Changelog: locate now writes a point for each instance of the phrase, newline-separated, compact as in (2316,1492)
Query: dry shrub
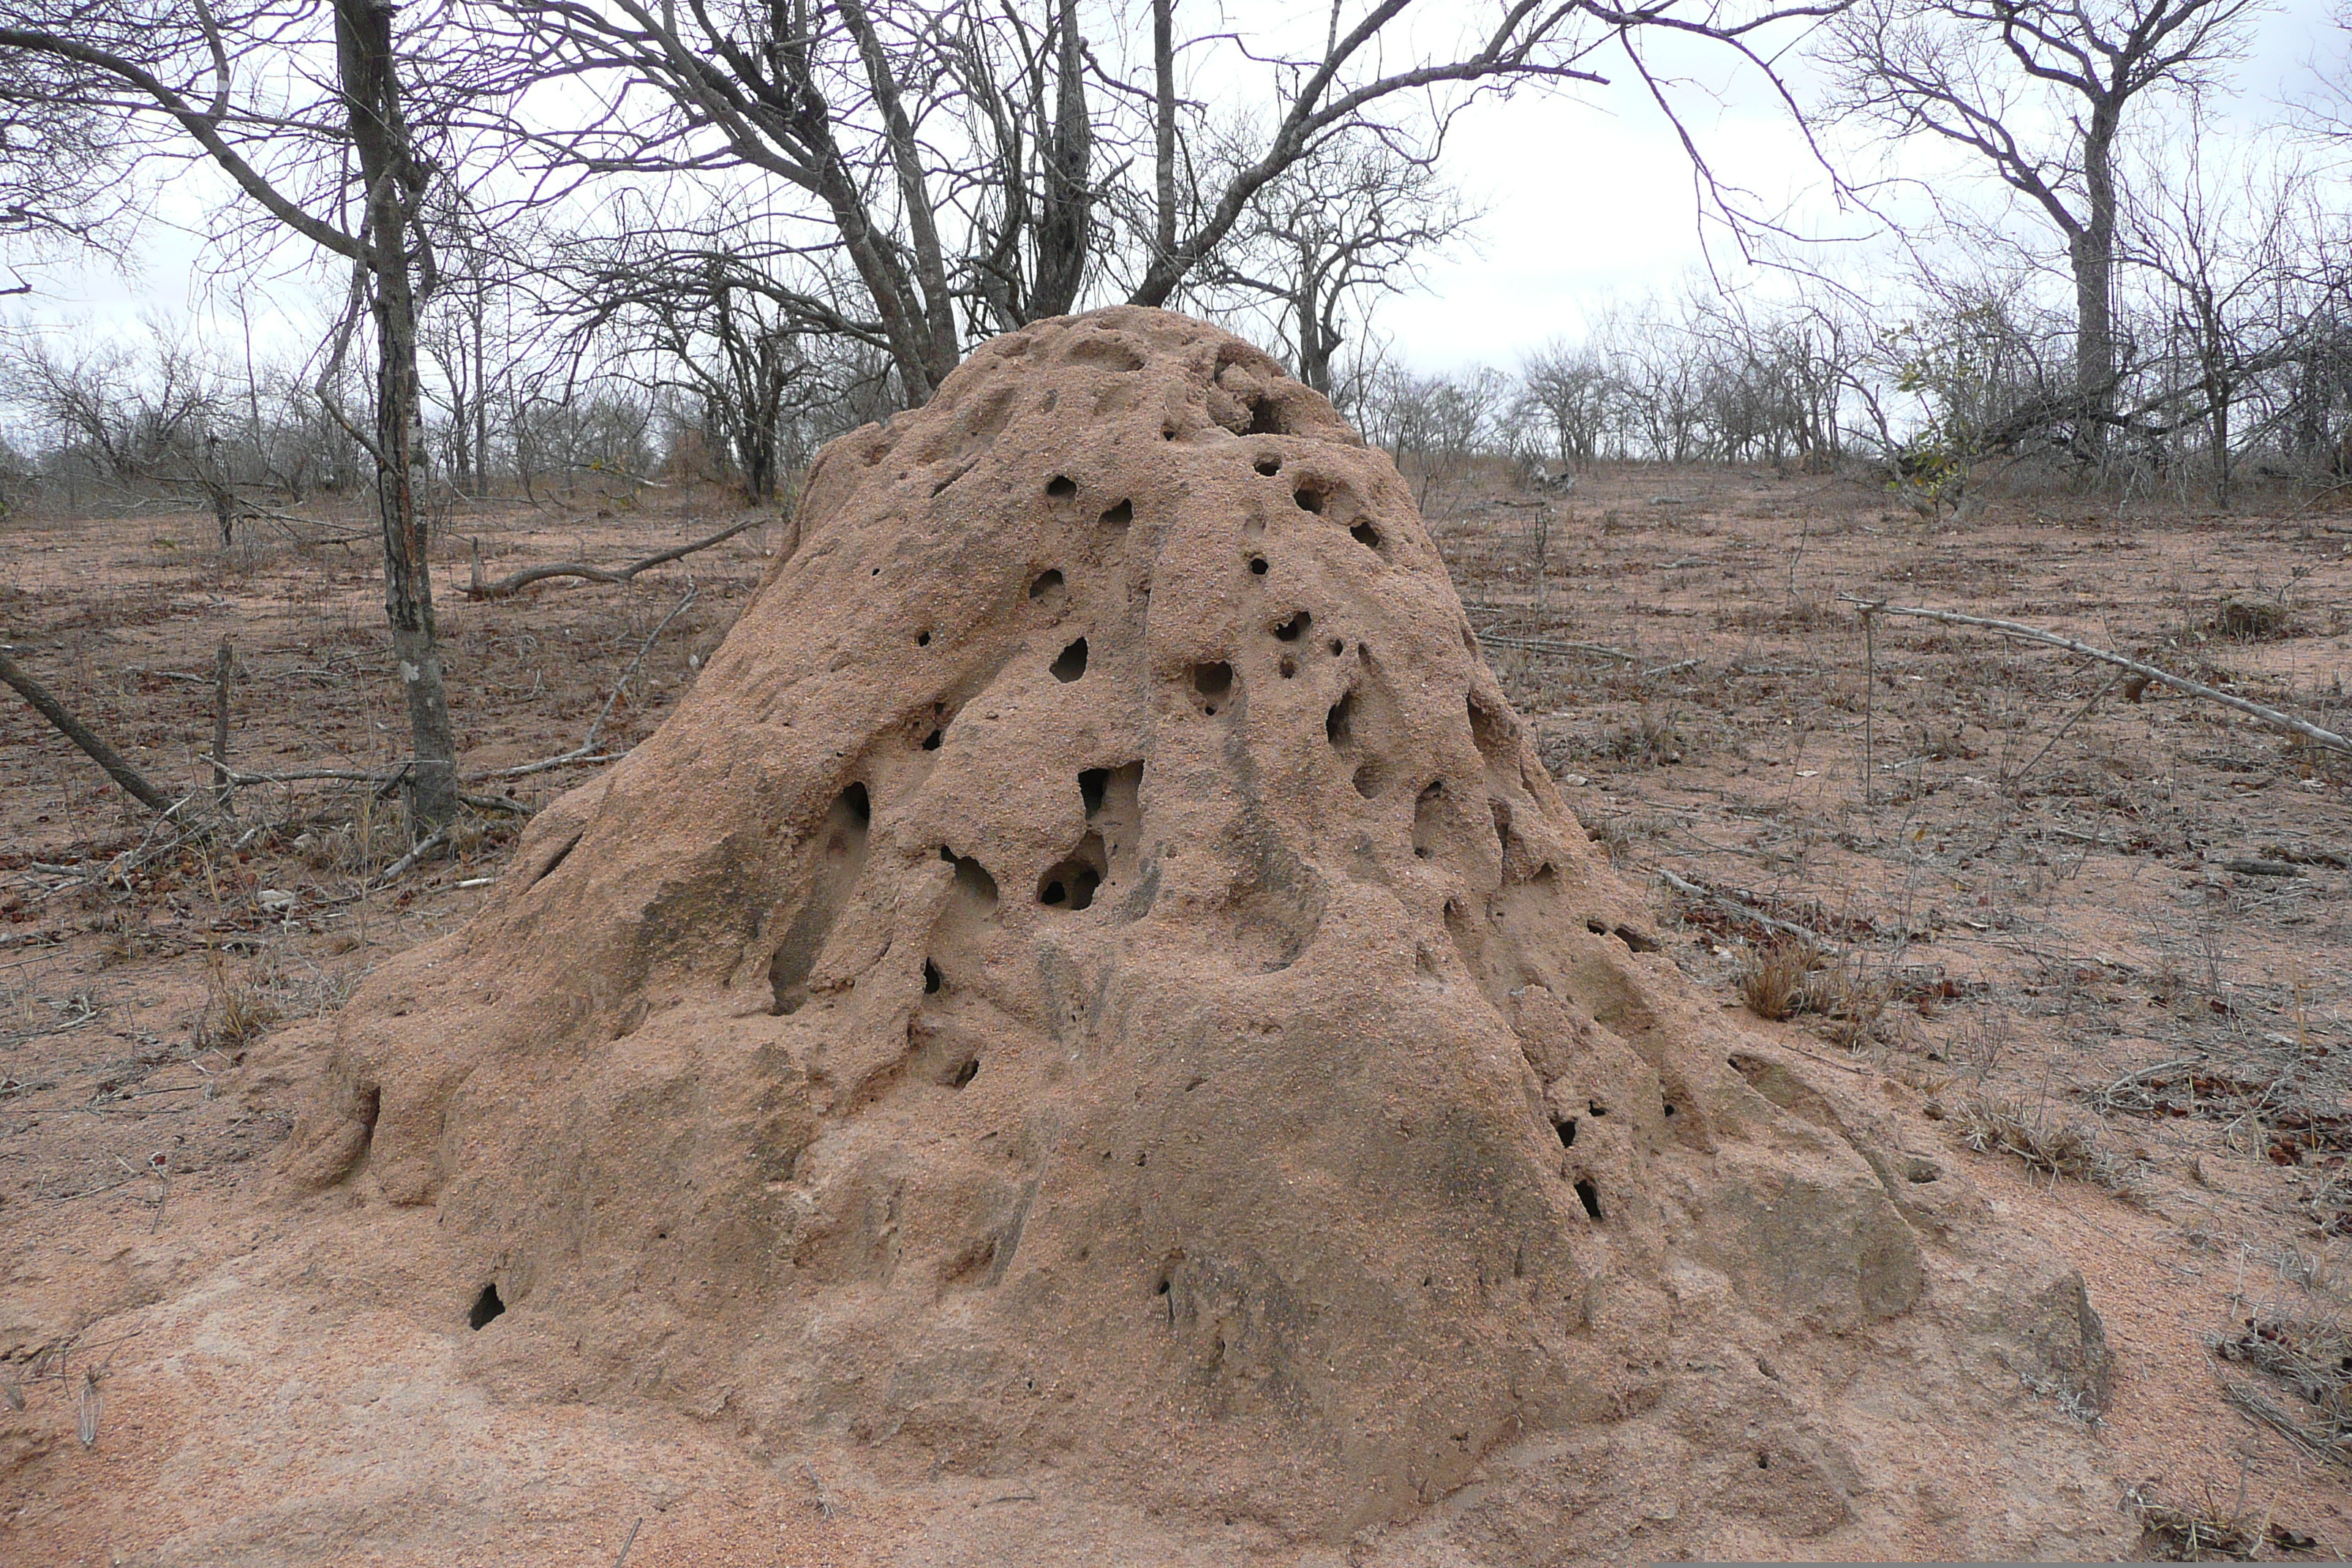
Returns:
(1772,981)
(2253,620)
(2045,1143)
(2311,1357)
(236,1011)
(2207,1530)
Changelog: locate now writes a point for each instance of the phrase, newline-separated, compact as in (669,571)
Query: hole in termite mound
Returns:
(1072,664)
(963,1073)
(1266,419)
(1258,566)
(1338,724)
(1117,518)
(1061,485)
(1369,779)
(840,860)
(1590,1196)
(931,741)
(1365,534)
(1092,784)
(1269,466)
(971,879)
(1289,667)
(1070,883)
(1566,1127)
(932,980)
(1047,582)
(1309,498)
(1213,679)
(486,1306)
(1295,627)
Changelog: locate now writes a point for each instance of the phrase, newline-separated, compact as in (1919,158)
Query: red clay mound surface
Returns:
(1093,1004)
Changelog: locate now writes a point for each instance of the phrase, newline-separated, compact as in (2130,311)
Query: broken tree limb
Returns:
(514,583)
(1540,644)
(1691,889)
(74,730)
(2023,632)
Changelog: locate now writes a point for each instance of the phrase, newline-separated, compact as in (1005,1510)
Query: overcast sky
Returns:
(1589,201)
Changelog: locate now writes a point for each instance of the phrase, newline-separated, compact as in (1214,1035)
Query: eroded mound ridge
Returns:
(1095,977)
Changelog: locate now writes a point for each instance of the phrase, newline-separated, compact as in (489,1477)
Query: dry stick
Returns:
(1694,890)
(632,1541)
(1869,699)
(2271,716)
(509,585)
(73,730)
(1539,645)
(586,750)
(223,788)
(2017,781)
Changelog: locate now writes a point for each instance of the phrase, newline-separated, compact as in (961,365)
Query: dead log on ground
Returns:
(514,583)
(74,730)
(2149,672)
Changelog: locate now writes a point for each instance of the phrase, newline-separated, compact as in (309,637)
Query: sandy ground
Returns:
(2020,880)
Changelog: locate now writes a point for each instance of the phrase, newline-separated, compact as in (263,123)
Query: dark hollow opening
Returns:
(1046,584)
(1266,419)
(1368,779)
(1073,662)
(1092,784)
(1365,534)
(1336,723)
(1590,1196)
(964,1074)
(1670,1107)
(1213,679)
(486,1306)
(1595,1107)
(1307,497)
(1338,648)
(1567,1130)
(1257,566)
(1295,627)
(1289,667)
(972,878)
(922,639)
(1061,485)
(1269,467)
(931,741)
(1119,516)
(931,980)
(860,803)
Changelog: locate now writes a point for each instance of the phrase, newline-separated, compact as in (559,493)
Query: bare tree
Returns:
(1348,222)
(2041,90)
(176,76)
(947,161)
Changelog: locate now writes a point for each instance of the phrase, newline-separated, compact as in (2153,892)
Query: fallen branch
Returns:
(425,846)
(74,730)
(1690,889)
(2271,716)
(586,750)
(507,586)
(1561,649)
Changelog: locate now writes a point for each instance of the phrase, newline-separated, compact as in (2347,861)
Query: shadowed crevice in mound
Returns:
(1094,980)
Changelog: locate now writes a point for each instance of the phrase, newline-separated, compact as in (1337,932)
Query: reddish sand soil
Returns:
(2026,893)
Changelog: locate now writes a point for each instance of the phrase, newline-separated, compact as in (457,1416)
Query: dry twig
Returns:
(514,583)
(2271,716)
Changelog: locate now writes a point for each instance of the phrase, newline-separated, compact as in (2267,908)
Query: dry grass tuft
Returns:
(2045,1143)
(236,1011)
(2207,1530)
(2312,1358)
(1773,978)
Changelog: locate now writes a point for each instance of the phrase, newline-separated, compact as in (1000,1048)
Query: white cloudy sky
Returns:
(1589,201)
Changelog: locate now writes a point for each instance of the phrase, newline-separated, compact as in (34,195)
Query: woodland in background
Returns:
(589,236)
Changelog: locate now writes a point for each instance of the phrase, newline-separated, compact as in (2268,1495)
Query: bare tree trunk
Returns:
(2091,250)
(391,179)
(1163,122)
